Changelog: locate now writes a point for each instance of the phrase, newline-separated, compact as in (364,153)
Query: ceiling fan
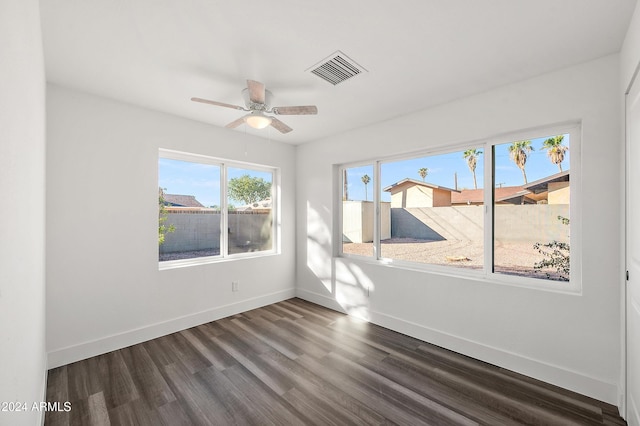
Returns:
(257,102)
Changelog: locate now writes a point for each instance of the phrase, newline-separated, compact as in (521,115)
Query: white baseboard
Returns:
(622,408)
(106,344)
(556,375)
(320,299)
(633,417)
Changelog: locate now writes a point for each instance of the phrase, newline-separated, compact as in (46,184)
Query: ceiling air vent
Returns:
(337,68)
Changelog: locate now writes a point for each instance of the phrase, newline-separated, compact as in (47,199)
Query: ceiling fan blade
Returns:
(256,91)
(235,123)
(295,110)
(280,126)
(222,104)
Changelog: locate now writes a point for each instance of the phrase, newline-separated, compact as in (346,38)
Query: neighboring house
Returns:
(504,195)
(409,193)
(552,189)
(473,197)
(178,200)
(517,195)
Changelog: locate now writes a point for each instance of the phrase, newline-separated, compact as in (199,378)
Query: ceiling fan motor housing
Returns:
(253,106)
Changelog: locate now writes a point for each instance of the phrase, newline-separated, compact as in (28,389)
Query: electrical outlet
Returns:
(234,286)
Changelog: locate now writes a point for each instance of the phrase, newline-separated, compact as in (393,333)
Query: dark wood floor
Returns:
(298,363)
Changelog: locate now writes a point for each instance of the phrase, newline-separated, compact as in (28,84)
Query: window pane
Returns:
(531,208)
(436,214)
(189,212)
(357,210)
(250,210)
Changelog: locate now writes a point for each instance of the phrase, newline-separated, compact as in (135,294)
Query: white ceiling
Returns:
(419,53)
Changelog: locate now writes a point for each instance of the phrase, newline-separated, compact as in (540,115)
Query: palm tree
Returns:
(471,155)
(423,172)
(345,186)
(365,179)
(555,150)
(519,151)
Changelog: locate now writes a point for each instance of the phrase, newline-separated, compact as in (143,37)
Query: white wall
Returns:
(22,215)
(572,340)
(102,190)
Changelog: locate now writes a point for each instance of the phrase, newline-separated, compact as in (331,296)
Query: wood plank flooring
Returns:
(296,363)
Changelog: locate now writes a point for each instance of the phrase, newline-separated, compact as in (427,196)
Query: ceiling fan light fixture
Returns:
(257,101)
(257,120)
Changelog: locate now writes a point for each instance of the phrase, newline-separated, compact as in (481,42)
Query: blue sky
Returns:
(443,168)
(203,180)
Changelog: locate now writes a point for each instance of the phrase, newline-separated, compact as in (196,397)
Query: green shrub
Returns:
(163,229)
(556,256)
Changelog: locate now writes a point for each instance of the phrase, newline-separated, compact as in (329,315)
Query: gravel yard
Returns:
(188,254)
(511,258)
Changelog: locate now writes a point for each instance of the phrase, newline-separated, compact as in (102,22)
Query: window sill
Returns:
(572,287)
(184,263)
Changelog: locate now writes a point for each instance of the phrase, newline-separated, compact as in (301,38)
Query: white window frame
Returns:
(224,164)
(574,286)
(375,200)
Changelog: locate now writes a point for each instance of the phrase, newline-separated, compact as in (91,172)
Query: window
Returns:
(357,210)
(432,209)
(436,214)
(189,204)
(531,200)
(211,209)
(249,210)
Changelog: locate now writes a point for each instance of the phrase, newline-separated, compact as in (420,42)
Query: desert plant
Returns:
(345,186)
(519,151)
(555,150)
(163,228)
(471,155)
(365,179)
(423,172)
(556,256)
